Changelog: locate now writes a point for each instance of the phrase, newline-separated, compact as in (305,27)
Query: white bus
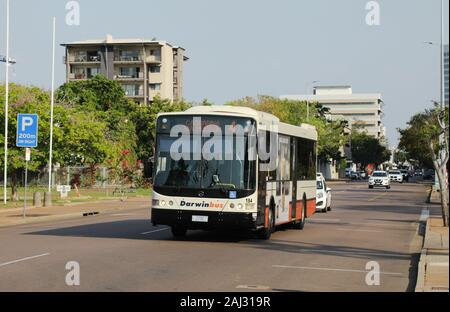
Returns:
(193,191)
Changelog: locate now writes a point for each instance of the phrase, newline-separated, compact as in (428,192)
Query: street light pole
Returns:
(5,172)
(307,100)
(52,102)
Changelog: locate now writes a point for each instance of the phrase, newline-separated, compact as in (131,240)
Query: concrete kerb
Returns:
(91,212)
(56,217)
(420,283)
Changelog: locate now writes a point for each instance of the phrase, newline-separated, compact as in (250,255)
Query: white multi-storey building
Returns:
(362,110)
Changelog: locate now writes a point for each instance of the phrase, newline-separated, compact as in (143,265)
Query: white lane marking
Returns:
(330,269)
(424,215)
(325,220)
(150,232)
(24,259)
(356,230)
(438,264)
(255,287)
(123,214)
(337,252)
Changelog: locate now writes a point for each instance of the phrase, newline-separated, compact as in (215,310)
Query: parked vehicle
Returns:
(323,195)
(405,174)
(395,176)
(418,173)
(379,179)
(363,174)
(354,175)
(347,172)
(429,174)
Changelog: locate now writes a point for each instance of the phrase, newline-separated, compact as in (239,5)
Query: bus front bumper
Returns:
(203,220)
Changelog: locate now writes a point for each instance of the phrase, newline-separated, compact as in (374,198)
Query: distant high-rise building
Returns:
(144,68)
(446,73)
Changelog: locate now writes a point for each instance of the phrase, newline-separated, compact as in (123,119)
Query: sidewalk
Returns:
(435,197)
(433,275)
(10,217)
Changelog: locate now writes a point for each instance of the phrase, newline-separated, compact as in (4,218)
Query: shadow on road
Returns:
(135,229)
(331,250)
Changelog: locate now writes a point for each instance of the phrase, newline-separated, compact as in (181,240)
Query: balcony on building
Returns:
(127,57)
(84,57)
(84,73)
(129,74)
(153,56)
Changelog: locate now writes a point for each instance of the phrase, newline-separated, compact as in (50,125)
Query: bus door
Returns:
(284,185)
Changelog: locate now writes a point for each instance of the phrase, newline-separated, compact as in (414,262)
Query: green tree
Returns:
(78,137)
(104,99)
(367,149)
(98,94)
(421,140)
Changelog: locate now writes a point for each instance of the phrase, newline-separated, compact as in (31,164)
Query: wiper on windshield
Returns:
(224,187)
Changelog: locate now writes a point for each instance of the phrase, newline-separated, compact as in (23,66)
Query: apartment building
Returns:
(144,68)
(361,110)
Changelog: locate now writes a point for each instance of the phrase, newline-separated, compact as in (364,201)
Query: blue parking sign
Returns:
(27,130)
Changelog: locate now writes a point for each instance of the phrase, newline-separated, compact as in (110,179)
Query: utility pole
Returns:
(52,102)
(7,59)
(307,100)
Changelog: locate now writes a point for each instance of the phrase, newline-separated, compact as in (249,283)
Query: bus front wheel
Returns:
(179,231)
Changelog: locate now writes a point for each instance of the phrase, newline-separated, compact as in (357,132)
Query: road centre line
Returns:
(330,269)
(326,220)
(337,252)
(23,259)
(376,197)
(357,230)
(150,232)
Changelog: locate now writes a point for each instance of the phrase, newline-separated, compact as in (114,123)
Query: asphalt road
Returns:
(124,252)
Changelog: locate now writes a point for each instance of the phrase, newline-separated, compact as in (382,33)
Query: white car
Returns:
(379,179)
(323,195)
(396,176)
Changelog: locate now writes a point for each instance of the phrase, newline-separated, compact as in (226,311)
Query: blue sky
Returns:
(250,47)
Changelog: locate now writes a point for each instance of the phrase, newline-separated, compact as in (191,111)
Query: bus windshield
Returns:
(227,172)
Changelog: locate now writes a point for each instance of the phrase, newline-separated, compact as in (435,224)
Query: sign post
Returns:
(27,159)
(27,136)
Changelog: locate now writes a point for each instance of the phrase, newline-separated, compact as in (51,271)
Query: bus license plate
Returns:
(199,218)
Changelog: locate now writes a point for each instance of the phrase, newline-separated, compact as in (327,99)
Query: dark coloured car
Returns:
(405,174)
(429,174)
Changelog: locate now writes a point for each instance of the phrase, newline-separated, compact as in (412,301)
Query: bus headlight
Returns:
(171,203)
(232,206)
(240,206)
(162,202)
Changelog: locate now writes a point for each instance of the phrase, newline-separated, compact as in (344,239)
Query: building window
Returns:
(129,55)
(94,71)
(131,90)
(80,73)
(129,72)
(155,86)
(155,69)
